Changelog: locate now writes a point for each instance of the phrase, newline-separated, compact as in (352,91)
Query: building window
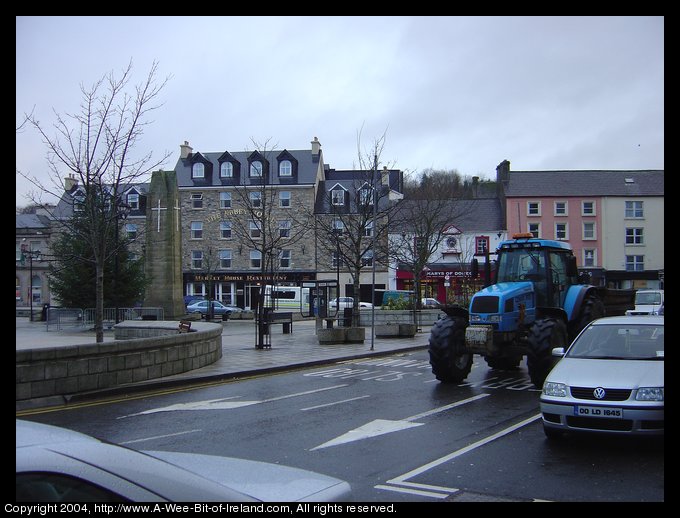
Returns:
(225,200)
(635,263)
(338,226)
(481,245)
(133,201)
(255,198)
(225,229)
(366,195)
(561,232)
(285,168)
(561,208)
(131,231)
(535,229)
(255,259)
(256,168)
(196,230)
(533,208)
(367,258)
(589,257)
(284,228)
(284,198)
(225,258)
(198,170)
(197,200)
(226,170)
(587,208)
(338,197)
(255,230)
(634,209)
(368,229)
(589,231)
(634,236)
(284,259)
(197,259)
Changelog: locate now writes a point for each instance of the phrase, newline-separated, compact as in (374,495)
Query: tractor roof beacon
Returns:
(538,302)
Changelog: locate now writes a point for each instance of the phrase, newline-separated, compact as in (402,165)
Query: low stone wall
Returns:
(426,317)
(143,350)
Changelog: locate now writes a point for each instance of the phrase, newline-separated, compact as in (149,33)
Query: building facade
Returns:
(613,219)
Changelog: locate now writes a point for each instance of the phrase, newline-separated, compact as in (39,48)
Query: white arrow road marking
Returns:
(223,403)
(383,426)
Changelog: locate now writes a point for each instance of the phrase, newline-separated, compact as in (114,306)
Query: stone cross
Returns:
(159,209)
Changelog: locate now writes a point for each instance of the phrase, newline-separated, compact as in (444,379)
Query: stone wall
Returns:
(143,350)
(426,317)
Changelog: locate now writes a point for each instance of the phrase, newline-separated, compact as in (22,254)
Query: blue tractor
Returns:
(537,303)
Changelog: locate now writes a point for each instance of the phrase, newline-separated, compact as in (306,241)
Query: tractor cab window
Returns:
(525,265)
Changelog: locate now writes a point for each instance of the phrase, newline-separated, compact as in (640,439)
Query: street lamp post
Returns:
(122,210)
(30,253)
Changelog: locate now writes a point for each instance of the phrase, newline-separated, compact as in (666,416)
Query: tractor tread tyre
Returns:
(545,335)
(592,309)
(450,360)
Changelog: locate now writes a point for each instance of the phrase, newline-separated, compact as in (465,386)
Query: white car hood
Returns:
(261,480)
(581,372)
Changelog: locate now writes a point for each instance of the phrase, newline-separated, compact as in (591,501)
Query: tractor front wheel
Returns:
(545,335)
(450,360)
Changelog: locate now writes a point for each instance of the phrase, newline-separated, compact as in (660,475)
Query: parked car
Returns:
(648,302)
(54,464)
(190,299)
(430,303)
(610,380)
(201,307)
(347,302)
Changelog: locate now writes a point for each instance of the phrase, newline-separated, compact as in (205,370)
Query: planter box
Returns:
(355,334)
(334,335)
(395,330)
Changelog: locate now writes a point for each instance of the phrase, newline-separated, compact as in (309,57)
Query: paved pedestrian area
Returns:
(240,357)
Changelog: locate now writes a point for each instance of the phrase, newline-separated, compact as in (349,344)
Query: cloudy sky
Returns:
(458,93)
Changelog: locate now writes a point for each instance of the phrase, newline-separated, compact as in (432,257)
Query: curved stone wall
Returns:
(143,350)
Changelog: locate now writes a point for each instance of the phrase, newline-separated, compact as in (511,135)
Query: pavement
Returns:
(239,358)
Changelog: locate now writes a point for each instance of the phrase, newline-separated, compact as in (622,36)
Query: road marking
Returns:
(402,480)
(224,403)
(334,403)
(160,437)
(383,426)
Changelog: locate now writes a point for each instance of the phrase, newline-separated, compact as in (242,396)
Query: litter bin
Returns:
(347,317)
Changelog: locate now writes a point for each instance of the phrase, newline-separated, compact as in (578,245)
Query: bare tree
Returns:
(96,147)
(354,232)
(267,229)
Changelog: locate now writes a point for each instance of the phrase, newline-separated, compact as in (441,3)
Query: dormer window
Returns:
(285,168)
(198,170)
(256,168)
(338,197)
(133,201)
(366,195)
(226,170)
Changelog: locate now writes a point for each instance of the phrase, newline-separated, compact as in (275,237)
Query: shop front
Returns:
(239,288)
(448,283)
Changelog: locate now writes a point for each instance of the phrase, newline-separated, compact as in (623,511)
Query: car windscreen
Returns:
(619,341)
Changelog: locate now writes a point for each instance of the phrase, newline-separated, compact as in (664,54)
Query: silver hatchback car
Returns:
(610,380)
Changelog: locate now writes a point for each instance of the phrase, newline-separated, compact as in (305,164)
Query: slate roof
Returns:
(351,180)
(26,221)
(475,215)
(585,183)
(307,165)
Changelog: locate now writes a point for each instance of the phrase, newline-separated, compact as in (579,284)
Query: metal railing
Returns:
(60,318)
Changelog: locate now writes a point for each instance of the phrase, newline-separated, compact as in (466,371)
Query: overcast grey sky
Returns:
(458,93)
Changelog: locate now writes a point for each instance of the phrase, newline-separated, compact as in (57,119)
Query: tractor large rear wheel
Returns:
(450,360)
(545,335)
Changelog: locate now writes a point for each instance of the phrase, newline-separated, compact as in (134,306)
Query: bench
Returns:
(184,326)
(285,318)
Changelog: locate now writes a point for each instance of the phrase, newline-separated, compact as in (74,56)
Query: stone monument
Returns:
(164,245)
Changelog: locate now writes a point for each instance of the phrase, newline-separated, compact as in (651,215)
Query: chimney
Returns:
(316,146)
(69,182)
(185,149)
(385,176)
